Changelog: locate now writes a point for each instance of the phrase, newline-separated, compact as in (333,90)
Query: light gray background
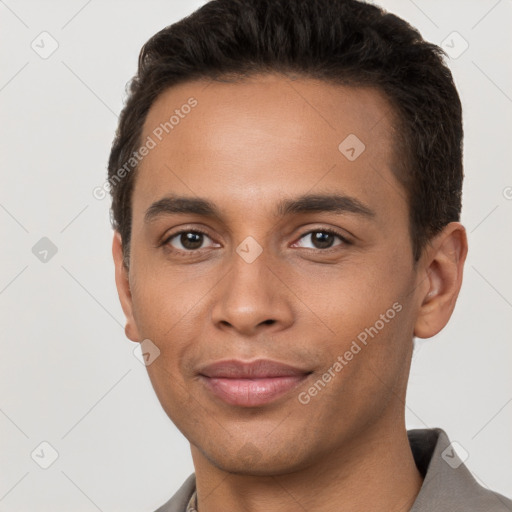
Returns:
(69,376)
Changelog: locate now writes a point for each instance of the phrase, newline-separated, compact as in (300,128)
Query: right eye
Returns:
(187,240)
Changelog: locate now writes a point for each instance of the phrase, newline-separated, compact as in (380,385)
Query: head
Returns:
(251,128)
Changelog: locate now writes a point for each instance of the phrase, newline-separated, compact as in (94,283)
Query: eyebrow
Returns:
(309,203)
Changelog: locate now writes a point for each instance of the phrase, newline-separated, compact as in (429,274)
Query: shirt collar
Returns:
(192,503)
(448,485)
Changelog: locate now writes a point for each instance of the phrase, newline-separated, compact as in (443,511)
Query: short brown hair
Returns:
(347,42)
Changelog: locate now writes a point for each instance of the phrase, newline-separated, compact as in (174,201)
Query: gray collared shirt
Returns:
(448,486)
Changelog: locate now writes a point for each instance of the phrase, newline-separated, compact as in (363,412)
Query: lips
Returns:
(251,384)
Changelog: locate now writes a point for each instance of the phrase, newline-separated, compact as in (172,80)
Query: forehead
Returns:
(255,139)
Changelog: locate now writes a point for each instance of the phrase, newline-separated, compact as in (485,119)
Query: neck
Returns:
(374,471)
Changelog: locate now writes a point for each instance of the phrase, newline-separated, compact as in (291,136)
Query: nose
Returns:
(252,299)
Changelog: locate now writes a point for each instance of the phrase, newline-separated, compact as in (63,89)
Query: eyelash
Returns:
(192,252)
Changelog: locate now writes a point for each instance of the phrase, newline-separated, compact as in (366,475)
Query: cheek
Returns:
(166,300)
(347,298)
(363,317)
(168,313)
(365,366)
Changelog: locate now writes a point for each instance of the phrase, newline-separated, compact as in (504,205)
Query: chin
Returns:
(250,460)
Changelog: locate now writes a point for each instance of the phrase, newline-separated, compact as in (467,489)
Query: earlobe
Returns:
(444,261)
(123,288)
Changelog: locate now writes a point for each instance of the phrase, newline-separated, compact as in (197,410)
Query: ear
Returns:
(123,288)
(443,263)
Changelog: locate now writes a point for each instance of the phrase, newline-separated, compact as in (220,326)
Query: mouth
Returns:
(251,384)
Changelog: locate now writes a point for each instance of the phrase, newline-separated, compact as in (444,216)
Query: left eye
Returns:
(322,239)
(189,240)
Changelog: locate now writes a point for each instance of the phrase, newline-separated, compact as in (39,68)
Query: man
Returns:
(286,182)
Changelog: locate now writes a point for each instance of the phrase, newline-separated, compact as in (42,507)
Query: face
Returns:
(297,250)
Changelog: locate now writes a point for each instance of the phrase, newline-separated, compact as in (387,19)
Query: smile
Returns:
(251,384)
(251,392)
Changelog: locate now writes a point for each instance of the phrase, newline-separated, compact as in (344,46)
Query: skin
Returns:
(245,147)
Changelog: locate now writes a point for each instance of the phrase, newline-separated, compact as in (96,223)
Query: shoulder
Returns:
(180,499)
(448,485)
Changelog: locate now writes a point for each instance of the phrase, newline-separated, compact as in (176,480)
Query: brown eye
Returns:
(322,239)
(187,240)
(191,240)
